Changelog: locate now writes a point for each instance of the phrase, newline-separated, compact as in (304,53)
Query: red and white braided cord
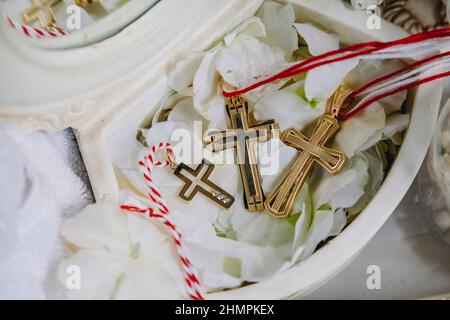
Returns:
(161,212)
(33,32)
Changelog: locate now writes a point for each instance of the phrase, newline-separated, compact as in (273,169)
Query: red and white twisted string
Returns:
(160,212)
(33,32)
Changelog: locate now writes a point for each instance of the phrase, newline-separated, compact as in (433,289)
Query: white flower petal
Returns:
(368,70)
(100,226)
(344,189)
(252,27)
(148,233)
(395,123)
(319,231)
(100,272)
(265,231)
(358,130)
(304,221)
(340,221)
(274,158)
(146,280)
(288,109)
(216,112)
(241,62)
(205,250)
(376,176)
(322,82)
(186,141)
(318,41)
(279,21)
(206,81)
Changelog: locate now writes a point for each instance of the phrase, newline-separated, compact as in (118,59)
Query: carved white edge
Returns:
(146,85)
(168,31)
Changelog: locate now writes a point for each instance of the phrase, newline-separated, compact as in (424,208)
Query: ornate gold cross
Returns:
(243,137)
(42,11)
(198,181)
(310,151)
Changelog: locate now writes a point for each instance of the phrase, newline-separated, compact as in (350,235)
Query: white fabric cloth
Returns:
(37,187)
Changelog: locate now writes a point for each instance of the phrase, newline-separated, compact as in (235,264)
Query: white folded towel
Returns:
(37,187)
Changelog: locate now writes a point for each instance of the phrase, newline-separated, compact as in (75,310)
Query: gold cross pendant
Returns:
(42,11)
(85,3)
(310,151)
(197,180)
(242,137)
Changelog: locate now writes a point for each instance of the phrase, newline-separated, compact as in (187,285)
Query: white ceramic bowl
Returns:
(337,253)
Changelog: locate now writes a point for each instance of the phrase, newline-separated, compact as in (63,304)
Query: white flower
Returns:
(120,256)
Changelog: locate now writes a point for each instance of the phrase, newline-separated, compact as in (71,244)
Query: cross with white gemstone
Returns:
(42,11)
(243,137)
(198,181)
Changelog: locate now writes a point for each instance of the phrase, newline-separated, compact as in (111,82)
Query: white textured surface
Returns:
(413,263)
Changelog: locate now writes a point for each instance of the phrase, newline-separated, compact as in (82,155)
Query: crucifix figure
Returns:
(242,137)
(310,151)
(42,11)
(197,180)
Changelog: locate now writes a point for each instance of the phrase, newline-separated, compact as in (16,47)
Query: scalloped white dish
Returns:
(335,254)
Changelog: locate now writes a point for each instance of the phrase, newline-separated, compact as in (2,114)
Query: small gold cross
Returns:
(42,11)
(310,151)
(243,137)
(198,181)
